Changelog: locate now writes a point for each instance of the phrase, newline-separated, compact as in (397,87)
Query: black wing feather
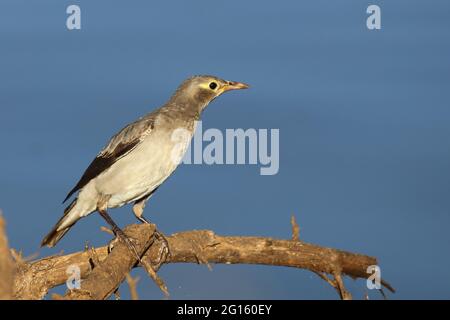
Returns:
(102,163)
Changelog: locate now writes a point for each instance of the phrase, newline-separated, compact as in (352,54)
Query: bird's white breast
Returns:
(143,169)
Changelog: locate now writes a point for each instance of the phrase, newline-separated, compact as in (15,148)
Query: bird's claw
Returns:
(121,236)
(164,251)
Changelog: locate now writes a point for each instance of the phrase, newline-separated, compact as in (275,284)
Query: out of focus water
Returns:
(363,118)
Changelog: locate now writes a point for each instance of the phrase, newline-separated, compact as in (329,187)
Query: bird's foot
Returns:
(115,228)
(164,251)
(128,242)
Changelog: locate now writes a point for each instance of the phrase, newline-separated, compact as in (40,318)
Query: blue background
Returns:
(363,118)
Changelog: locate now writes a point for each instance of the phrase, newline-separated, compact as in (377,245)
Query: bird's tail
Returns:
(62,226)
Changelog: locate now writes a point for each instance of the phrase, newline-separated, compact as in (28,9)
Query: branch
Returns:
(6,265)
(200,246)
(108,274)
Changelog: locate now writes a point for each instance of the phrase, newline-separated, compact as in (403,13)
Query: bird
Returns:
(140,157)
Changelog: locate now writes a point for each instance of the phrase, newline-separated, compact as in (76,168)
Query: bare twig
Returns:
(107,230)
(295,229)
(345,295)
(132,284)
(324,277)
(152,273)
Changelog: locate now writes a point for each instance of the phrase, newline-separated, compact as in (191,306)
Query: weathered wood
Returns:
(102,277)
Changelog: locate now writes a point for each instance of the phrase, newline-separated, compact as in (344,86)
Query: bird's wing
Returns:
(119,146)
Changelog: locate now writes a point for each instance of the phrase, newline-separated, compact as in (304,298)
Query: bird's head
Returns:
(201,90)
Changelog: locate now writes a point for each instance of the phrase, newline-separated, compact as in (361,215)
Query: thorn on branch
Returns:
(17,256)
(107,230)
(295,229)
(93,258)
(198,253)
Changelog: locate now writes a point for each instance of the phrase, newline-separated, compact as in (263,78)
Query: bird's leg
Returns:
(101,208)
(138,210)
(119,233)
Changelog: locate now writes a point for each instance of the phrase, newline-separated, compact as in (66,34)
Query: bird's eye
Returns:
(213,85)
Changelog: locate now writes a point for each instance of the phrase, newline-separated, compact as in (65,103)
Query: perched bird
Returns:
(139,158)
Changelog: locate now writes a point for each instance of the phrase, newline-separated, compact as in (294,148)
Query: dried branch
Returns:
(6,265)
(34,279)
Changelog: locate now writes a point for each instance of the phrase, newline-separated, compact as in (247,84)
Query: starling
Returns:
(139,158)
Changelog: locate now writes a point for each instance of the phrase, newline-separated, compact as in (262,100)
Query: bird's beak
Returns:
(232,85)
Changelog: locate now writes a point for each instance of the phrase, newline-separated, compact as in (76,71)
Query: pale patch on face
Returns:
(211,85)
